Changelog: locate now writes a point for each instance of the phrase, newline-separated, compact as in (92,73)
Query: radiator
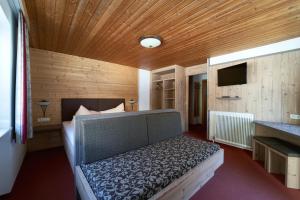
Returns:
(231,128)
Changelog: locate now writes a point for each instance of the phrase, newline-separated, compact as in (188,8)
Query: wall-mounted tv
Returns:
(234,75)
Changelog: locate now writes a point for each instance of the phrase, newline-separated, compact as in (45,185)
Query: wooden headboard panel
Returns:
(70,106)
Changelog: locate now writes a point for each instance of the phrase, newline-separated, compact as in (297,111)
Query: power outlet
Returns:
(294,116)
(43,119)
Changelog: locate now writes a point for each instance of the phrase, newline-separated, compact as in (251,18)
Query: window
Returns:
(6,68)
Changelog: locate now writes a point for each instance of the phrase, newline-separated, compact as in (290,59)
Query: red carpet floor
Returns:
(46,175)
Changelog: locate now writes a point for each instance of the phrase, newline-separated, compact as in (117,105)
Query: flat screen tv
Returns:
(234,75)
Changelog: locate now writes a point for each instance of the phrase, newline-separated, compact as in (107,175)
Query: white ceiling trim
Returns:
(287,45)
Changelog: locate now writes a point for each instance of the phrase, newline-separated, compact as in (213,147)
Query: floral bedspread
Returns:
(141,173)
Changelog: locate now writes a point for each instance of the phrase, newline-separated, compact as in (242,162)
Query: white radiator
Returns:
(231,128)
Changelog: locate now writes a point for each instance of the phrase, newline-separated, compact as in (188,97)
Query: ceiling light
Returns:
(150,41)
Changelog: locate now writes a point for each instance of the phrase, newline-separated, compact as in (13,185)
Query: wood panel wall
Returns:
(56,76)
(272,92)
(196,69)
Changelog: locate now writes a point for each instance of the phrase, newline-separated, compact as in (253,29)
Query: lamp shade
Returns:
(131,101)
(44,103)
(150,41)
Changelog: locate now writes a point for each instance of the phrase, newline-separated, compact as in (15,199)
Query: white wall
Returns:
(11,158)
(11,154)
(6,66)
(144,89)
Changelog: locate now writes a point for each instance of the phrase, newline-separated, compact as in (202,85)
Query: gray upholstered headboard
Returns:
(70,106)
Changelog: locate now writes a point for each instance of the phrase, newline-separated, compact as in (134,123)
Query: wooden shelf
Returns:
(169,89)
(229,98)
(169,79)
(161,80)
(171,95)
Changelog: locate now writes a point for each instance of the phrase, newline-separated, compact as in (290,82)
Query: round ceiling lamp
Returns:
(150,41)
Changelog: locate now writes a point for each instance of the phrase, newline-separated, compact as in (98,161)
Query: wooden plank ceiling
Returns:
(192,30)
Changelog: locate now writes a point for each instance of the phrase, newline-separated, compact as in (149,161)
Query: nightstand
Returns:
(45,137)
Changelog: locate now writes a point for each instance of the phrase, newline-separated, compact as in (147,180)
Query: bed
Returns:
(151,171)
(141,155)
(69,107)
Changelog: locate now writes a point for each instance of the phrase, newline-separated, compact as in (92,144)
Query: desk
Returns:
(284,131)
(274,160)
(284,127)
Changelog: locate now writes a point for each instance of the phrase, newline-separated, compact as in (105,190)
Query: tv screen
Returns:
(234,75)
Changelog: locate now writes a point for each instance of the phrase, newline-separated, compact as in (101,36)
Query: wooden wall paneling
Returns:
(290,86)
(211,92)
(253,91)
(272,91)
(56,76)
(180,88)
(192,31)
(266,88)
(196,69)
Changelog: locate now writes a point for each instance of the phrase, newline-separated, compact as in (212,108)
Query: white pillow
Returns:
(92,112)
(119,108)
(81,111)
(84,111)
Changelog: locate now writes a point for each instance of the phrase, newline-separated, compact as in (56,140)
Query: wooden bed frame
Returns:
(183,188)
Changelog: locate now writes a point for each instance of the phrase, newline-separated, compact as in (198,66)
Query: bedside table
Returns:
(45,137)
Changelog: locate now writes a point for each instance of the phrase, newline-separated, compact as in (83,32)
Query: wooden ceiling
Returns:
(192,30)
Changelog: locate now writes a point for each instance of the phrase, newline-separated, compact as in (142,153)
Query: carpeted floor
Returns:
(46,175)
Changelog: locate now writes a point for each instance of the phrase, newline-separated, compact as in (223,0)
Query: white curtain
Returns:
(23,111)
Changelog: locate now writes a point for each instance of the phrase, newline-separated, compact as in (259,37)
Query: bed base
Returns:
(183,188)
(69,151)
